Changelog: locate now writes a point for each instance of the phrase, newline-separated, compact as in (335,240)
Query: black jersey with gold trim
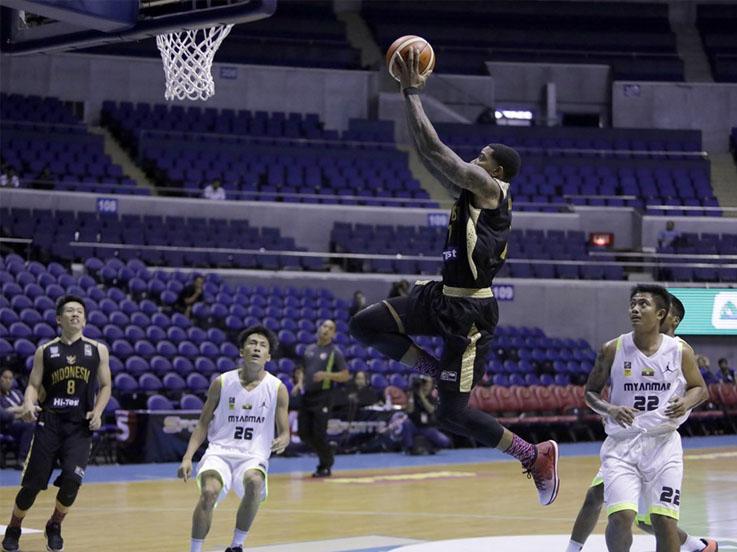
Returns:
(70,376)
(476,244)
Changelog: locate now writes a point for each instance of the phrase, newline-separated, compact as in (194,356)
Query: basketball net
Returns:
(187,57)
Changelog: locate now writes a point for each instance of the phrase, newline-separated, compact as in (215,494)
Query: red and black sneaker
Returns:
(710,545)
(544,472)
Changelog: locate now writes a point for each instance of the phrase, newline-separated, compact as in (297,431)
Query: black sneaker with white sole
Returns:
(54,542)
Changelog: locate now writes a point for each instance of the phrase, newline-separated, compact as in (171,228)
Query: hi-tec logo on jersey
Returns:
(323,356)
(647,371)
(88,350)
(71,359)
(627,369)
(231,403)
(54,351)
(247,406)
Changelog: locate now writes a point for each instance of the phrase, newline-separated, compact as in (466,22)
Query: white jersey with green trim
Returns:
(646,384)
(243,421)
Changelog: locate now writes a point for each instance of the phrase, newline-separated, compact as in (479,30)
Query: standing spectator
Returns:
(11,404)
(421,420)
(190,295)
(726,374)
(298,388)
(324,365)
(214,191)
(359,303)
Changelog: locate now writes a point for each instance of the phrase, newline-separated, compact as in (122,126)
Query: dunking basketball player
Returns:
(654,385)
(589,513)
(69,368)
(462,308)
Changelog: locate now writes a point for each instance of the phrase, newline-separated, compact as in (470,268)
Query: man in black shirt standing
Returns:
(324,365)
(69,368)
(462,308)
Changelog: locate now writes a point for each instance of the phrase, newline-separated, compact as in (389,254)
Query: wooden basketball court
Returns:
(430,502)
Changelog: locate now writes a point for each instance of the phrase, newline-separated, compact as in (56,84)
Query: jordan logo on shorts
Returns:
(446,375)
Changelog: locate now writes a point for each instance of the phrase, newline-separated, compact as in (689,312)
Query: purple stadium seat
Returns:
(204,366)
(229,350)
(224,364)
(155,334)
(160,365)
(182,366)
(121,349)
(124,383)
(378,382)
(197,383)
(159,402)
(174,383)
(136,365)
(149,383)
(190,402)
(166,349)
(187,349)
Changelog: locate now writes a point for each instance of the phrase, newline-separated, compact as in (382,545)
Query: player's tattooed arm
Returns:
(456,173)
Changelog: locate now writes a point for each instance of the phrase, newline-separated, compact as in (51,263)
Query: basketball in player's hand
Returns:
(402,46)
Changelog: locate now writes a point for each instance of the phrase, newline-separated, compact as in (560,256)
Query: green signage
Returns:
(708,311)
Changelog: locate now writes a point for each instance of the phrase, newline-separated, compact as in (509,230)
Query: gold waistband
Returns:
(483,293)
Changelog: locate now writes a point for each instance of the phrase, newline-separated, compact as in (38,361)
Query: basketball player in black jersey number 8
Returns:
(462,308)
(71,369)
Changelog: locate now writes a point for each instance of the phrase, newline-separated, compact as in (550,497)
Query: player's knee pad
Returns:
(68,492)
(26,497)
(365,324)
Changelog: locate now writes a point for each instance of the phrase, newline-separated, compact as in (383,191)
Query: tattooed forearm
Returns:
(452,172)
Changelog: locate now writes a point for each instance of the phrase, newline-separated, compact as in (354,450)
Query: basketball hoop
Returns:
(187,57)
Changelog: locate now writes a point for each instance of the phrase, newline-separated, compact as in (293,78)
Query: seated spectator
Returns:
(214,191)
(726,374)
(11,401)
(668,237)
(8,178)
(361,393)
(359,303)
(190,295)
(420,434)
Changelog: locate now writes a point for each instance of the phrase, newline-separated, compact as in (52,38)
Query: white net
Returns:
(187,57)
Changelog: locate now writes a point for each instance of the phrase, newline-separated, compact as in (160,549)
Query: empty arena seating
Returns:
(527,250)
(262,156)
(634,39)
(716,23)
(584,166)
(689,246)
(50,148)
(154,239)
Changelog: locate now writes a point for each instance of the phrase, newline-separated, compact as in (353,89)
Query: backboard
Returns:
(33,26)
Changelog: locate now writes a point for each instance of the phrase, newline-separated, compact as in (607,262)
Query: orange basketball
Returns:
(402,45)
